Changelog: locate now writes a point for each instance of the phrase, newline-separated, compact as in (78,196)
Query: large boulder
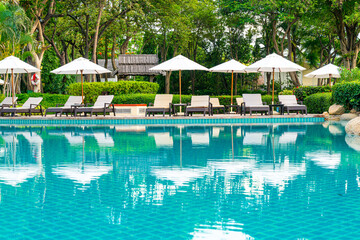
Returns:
(348,116)
(336,109)
(353,126)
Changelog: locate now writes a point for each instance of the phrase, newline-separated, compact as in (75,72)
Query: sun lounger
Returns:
(199,104)
(291,104)
(29,107)
(102,105)
(7,102)
(68,107)
(216,105)
(162,104)
(253,103)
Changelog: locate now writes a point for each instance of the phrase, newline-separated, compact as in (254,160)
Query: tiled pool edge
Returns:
(156,121)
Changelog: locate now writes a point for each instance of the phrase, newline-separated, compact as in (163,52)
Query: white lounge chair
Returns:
(102,105)
(68,107)
(253,103)
(199,104)
(7,102)
(162,104)
(29,107)
(215,104)
(291,104)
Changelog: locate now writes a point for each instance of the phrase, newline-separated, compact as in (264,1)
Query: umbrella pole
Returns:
(273,86)
(82,88)
(232,83)
(180,86)
(12,86)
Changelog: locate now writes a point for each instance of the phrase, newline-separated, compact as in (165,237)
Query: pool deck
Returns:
(142,120)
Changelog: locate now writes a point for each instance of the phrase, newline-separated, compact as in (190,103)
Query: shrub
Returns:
(49,100)
(286,92)
(349,75)
(268,99)
(94,89)
(318,102)
(347,94)
(2,96)
(302,92)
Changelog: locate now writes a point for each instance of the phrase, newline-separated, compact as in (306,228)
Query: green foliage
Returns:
(54,83)
(2,96)
(302,92)
(268,99)
(349,75)
(49,100)
(347,94)
(94,89)
(318,102)
(287,92)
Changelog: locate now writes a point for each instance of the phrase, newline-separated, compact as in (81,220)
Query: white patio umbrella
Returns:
(327,71)
(81,66)
(15,65)
(274,63)
(178,63)
(232,67)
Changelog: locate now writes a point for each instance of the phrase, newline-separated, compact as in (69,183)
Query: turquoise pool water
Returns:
(179,182)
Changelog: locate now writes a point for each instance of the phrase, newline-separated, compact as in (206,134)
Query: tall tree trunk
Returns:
(113,52)
(268,82)
(235,83)
(106,58)
(96,36)
(167,82)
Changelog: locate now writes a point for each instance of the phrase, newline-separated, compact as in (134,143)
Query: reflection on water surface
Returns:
(179,182)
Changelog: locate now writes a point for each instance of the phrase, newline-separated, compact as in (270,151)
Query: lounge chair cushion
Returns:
(200,101)
(215,103)
(162,100)
(288,100)
(8,101)
(252,100)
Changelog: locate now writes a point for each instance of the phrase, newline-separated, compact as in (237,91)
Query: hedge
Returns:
(302,92)
(318,102)
(49,100)
(347,94)
(94,89)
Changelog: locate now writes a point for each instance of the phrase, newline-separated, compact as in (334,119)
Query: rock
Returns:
(334,118)
(348,116)
(336,109)
(353,126)
(353,142)
(352,111)
(335,130)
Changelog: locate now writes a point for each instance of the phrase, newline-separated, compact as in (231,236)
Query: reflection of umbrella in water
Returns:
(82,174)
(325,159)
(16,175)
(276,174)
(179,176)
(216,232)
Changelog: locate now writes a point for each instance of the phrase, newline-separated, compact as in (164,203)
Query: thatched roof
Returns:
(137,65)
(101,62)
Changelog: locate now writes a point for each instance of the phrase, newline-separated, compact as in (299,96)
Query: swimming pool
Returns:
(272,181)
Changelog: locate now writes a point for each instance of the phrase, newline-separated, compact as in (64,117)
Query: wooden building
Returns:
(137,65)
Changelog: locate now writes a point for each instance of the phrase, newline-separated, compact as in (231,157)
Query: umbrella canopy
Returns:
(81,66)
(229,67)
(327,71)
(232,67)
(178,63)
(274,63)
(15,65)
